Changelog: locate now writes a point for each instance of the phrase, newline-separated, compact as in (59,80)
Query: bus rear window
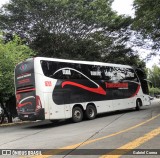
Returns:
(24,74)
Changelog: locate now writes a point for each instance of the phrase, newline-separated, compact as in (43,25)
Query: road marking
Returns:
(54,152)
(132,145)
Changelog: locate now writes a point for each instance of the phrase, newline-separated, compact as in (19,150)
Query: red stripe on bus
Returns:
(26,90)
(98,90)
(20,105)
(138,88)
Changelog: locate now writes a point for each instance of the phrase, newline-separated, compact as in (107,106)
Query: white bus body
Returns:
(54,89)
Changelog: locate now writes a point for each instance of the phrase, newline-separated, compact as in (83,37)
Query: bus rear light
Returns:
(38,103)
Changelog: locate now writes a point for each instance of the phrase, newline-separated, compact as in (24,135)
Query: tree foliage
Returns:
(147,20)
(11,53)
(81,29)
(154,91)
(154,76)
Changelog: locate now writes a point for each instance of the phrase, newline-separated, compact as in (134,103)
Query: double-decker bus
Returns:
(54,89)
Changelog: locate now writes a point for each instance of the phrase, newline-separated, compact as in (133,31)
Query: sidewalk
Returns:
(16,121)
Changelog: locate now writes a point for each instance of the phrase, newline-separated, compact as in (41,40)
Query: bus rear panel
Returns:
(29,105)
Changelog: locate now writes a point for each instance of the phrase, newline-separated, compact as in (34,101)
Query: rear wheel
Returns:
(90,112)
(138,104)
(77,114)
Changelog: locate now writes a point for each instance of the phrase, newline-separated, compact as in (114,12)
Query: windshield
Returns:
(142,77)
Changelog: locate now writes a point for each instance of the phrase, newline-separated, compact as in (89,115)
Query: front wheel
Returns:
(138,104)
(90,112)
(77,114)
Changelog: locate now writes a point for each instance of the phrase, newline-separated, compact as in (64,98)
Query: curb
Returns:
(14,123)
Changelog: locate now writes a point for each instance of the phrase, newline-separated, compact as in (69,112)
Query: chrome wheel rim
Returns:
(77,114)
(91,112)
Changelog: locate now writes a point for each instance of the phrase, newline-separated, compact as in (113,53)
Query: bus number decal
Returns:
(48,83)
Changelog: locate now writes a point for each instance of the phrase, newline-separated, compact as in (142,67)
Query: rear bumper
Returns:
(39,115)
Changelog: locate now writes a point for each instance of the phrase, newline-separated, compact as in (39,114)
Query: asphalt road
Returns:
(127,134)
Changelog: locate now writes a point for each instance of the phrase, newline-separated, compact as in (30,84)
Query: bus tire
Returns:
(77,114)
(138,104)
(90,112)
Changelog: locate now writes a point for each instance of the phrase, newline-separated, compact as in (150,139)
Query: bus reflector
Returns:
(38,103)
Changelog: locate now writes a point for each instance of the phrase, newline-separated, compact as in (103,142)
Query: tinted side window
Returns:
(130,75)
(114,73)
(48,67)
(77,71)
(95,72)
(62,70)
(119,74)
(108,73)
(55,69)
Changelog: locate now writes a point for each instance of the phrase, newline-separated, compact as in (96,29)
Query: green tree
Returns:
(11,53)
(154,76)
(154,91)
(81,29)
(147,20)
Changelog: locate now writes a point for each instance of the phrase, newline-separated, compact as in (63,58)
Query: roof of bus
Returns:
(83,62)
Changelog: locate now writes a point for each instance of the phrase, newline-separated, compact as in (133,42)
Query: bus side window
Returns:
(58,75)
(130,75)
(48,68)
(107,73)
(45,68)
(79,71)
(76,72)
(95,72)
(59,71)
(85,70)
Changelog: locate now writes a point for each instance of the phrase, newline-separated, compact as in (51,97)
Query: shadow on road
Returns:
(48,124)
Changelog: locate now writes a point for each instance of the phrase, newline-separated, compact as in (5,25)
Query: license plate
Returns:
(25,115)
